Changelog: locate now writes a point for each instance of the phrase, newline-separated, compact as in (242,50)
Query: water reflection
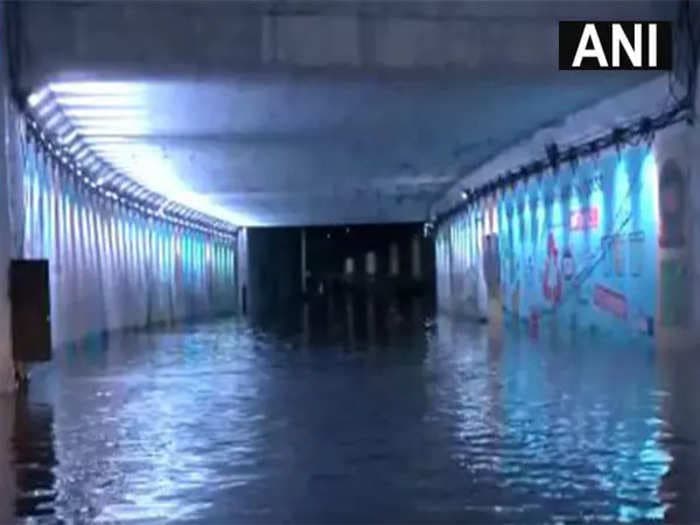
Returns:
(34,458)
(680,404)
(8,486)
(350,411)
(562,423)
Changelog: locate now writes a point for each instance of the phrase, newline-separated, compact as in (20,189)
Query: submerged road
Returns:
(352,413)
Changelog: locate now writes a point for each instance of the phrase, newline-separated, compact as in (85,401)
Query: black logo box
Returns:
(570,33)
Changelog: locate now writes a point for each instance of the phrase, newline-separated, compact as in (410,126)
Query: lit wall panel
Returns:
(578,248)
(111,267)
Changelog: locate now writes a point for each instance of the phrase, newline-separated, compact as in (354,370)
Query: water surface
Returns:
(353,413)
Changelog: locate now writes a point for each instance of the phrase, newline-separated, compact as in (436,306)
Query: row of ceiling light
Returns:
(55,131)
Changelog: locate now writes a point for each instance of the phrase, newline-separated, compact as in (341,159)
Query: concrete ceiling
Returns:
(288,142)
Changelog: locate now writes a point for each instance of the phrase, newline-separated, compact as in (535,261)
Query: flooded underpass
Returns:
(353,412)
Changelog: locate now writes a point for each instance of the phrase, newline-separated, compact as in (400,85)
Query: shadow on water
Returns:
(351,410)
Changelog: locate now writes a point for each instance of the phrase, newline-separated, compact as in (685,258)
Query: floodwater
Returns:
(350,413)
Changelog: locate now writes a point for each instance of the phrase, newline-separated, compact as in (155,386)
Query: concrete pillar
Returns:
(371,320)
(349,266)
(675,202)
(416,270)
(303,260)
(694,260)
(242,260)
(370,263)
(393,259)
(350,318)
(491,246)
(6,365)
(694,226)
(677,156)
(305,326)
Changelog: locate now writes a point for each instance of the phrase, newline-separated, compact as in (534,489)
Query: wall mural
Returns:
(576,247)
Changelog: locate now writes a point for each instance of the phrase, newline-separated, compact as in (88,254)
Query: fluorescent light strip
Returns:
(66,136)
(76,147)
(95,88)
(36,98)
(115,139)
(102,114)
(98,101)
(102,132)
(53,121)
(47,109)
(102,121)
(82,155)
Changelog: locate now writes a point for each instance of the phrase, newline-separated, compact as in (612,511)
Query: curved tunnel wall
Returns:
(576,247)
(111,267)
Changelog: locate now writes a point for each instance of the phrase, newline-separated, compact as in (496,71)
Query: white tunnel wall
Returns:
(110,267)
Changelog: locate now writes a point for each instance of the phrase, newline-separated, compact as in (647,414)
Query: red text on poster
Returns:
(584,219)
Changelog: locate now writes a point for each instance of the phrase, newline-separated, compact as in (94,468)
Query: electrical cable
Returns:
(632,134)
(619,137)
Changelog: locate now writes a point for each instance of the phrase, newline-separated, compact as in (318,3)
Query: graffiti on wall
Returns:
(598,231)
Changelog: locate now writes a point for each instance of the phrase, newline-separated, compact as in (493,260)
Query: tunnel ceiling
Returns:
(299,143)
